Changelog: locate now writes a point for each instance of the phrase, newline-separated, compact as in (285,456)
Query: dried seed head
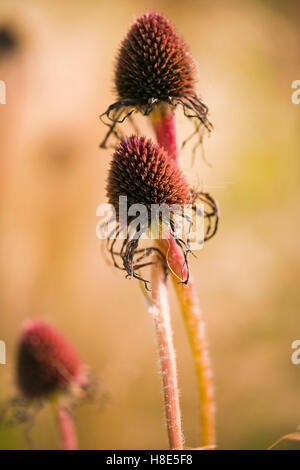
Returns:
(144,172)
(154,66)
(153,62)
(46,361)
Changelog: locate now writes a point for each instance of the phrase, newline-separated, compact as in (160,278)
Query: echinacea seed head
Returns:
(144,173)
(153,68)
(153,62)
(46,362)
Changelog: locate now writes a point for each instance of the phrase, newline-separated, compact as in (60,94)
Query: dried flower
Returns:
(46,361)
(154,66)
(153,62)
(48,369)
(146,174)
(143,171)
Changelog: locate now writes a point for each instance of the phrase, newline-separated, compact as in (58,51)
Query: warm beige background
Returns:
(52,178)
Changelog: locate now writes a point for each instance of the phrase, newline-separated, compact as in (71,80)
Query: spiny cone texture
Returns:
(46,361)
(153,62)
(145,173)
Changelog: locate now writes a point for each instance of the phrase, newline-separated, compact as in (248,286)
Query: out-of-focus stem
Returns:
(163,123)
(66,426)
(161,317)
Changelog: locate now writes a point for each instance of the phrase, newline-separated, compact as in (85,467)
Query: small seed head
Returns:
(145,173)
(46,361)
(153,62)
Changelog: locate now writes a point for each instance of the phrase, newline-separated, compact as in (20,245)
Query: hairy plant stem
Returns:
(163,123)
(161,316)
(66,425)
(195,326)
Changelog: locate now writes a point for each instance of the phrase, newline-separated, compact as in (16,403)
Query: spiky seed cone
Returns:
(153,62)
(144,172)
(46,361)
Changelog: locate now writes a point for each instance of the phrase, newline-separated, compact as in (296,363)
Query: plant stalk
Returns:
(161,317)
(163,123)
(195,326)
(66,426)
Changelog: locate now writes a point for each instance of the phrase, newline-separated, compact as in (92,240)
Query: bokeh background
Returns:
(58,68)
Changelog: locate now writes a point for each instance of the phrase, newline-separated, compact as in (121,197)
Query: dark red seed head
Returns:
(46,361)
(144,172)
(153,62)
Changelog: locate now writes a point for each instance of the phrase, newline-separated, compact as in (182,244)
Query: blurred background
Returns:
(57,60)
